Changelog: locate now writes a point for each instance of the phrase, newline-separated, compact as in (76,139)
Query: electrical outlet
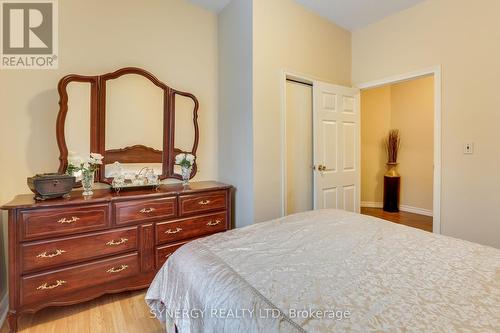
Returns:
(469,148)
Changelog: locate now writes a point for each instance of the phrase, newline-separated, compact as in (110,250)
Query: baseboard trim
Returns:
(416,210)
(404,208)
(371,204)
(4,308)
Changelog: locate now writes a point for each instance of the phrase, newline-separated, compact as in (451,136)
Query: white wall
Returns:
(462,37)
(235,159)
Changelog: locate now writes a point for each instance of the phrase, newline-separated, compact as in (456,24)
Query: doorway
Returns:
(411,104)
(320,146)
(299,146)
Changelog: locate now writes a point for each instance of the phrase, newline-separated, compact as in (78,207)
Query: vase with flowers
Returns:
(85,169)
(186,162)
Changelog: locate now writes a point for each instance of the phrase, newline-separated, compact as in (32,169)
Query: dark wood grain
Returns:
(83,227)
(52,253)
(147,247)
(173,231)
(43,286)
(133,154)
(106,195)
(145,210)
(135,282)
(204,202)
(54,222)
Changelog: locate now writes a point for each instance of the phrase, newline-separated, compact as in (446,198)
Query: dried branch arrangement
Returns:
(392,144)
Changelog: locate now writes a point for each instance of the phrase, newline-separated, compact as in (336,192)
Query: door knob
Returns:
(321,167)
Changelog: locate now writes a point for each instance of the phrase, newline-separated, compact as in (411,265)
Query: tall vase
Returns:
(88,182)
(186,174)
(392,184)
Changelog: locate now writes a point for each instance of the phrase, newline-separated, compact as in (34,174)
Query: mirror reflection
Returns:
(134,126)
(77,125)
(184,135)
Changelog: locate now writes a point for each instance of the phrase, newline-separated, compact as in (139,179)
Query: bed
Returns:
(328,271)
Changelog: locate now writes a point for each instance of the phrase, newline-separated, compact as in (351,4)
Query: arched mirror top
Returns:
(133,119)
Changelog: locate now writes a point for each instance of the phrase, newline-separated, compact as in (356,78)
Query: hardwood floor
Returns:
(119,313)
(410,219)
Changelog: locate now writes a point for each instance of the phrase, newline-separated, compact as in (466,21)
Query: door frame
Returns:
(288,74)
(436,72)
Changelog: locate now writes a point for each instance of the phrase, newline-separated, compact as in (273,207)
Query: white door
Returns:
(336,147)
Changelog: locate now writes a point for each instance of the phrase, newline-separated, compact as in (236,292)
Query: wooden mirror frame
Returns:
(63,111)
(98,124)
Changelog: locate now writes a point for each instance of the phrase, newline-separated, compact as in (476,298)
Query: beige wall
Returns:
(375,124)
(235,106)
(412,112)
(173,39)
(409,107)
(287,36)
(462,37)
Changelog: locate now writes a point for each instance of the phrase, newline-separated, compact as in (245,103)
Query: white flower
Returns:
(179,158)
(96,156)
(190,158)
(95,159)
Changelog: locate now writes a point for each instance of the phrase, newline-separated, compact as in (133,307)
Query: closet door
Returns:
(336,139)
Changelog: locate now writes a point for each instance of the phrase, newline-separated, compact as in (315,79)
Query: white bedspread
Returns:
(347,272)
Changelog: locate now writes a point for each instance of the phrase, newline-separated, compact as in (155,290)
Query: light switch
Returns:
(469,148)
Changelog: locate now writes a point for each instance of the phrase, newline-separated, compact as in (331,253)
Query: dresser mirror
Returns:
(186,127)
(77,120)
(131,118)
(134,119)
(77,128)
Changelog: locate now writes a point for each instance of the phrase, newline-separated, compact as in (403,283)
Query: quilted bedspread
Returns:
(329,271)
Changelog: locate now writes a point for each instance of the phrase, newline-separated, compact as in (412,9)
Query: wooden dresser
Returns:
(66,251)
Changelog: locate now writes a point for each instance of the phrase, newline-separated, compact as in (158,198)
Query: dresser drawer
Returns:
(48,254)
(48,286)
(196,203)
(173,231)
(63,221)
(145,210)
(163,252)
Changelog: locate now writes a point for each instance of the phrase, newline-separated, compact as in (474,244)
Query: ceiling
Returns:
(355,14)
(349,14)
(214,5)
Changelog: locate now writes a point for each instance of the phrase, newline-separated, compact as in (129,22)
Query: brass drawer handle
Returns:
(52,286)
(147,210)
(51,255)
(212,223)
(119,242)
(117,270)
(204,202)
(68,221)
(170,231)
